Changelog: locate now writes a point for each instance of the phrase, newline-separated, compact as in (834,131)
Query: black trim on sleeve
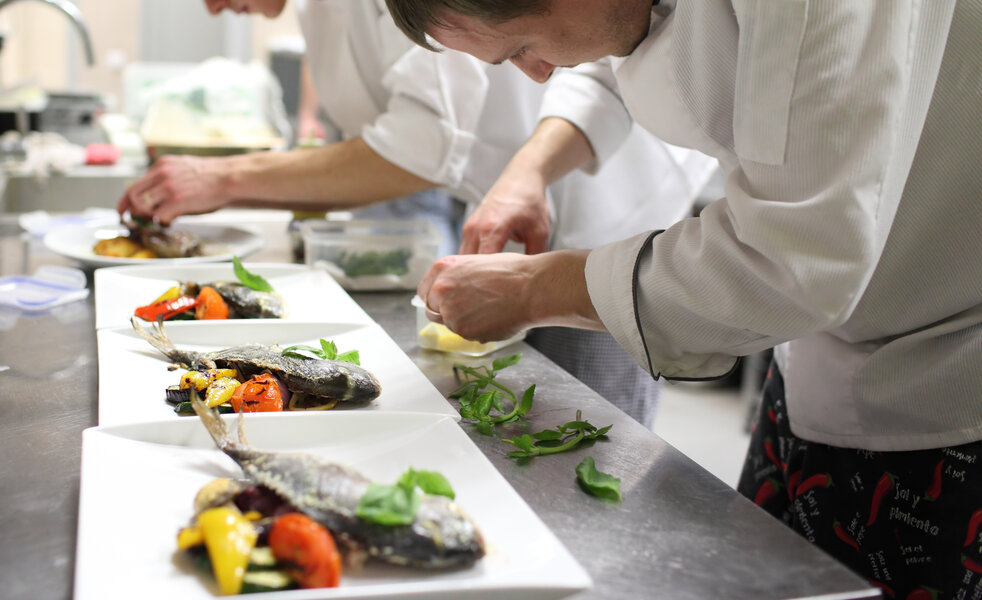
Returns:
(634,297)
(637,321)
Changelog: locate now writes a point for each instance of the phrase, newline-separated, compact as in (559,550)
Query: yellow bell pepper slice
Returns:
(229,538)
(189,537)
(170,294)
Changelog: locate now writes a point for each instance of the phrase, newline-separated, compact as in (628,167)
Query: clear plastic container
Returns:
(50,286)
(372,255)
(434,336)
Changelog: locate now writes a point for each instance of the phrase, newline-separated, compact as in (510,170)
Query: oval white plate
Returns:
(222,242)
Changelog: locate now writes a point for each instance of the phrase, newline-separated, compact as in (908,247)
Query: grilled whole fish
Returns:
(329,379)
(441,536)
(164,242)
(243,301)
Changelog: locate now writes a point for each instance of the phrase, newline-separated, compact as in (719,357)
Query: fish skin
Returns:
(331,379)
(442,535)
(247,303)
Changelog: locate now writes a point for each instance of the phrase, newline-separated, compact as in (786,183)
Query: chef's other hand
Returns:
(514,209)
(175,186)
(491,297)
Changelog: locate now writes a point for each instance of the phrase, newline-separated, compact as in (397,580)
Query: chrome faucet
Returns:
(73,12)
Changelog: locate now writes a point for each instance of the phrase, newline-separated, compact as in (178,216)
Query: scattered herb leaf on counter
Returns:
(250,279)
(396,504)
(373,262)
(477,402)
(327,351)
(553,441)
(597,483)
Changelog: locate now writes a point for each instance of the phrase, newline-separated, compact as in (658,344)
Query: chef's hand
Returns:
(490,297)
(175,186)
(514,209)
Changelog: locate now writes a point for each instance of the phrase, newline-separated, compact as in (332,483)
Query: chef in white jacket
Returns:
(417,120)
(849,236)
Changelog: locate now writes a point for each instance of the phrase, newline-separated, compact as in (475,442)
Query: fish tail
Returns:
(212,421)
(159,340)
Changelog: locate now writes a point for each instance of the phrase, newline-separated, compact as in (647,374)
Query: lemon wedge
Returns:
(436,336)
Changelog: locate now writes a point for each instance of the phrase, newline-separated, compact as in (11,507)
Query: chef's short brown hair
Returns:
(416,17)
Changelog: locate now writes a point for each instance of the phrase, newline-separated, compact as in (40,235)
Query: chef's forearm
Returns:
(557,294)
(339,176)
(556,148)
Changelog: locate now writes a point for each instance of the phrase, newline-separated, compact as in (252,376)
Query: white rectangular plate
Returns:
(139,482)
(309,294)
(133,374)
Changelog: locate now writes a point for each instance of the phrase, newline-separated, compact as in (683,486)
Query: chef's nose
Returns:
(536,68)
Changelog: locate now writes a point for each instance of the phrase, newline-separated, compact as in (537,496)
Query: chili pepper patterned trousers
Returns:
(908,522)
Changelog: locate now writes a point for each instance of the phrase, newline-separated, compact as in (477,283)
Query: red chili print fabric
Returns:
(910,523)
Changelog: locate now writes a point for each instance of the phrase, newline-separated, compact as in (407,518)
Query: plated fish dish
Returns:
(251,297)
(295,518)
(303,380)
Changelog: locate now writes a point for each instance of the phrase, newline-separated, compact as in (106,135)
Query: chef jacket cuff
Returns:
(612,276)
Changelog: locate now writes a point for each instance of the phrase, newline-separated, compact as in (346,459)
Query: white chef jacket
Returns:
(350,44)
(852,223)
(456,121)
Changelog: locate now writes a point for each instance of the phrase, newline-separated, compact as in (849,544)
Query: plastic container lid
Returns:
(50,286)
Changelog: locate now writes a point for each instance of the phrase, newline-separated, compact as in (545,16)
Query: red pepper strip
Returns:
(793,483)
(166,308)
(973,527)
(841,533)
(771,454)
(923,593)
(971,565)
(766,491)
(821,479)
(884,485)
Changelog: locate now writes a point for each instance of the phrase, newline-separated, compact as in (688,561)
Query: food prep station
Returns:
(679,533)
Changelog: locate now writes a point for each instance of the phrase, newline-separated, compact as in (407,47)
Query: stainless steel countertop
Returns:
(680,533)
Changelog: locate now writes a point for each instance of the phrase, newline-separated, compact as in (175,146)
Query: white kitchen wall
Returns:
(42,48)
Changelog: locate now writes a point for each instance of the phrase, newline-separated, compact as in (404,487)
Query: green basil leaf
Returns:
(578,426)
(505,361)
(351,356)
(388,505)
(330,349)
(464,389)
(519,454)
(526,403)
(547,434)
(483,405)
(249,279)
(433,483)
(597,483)
(485,427)
(303,351)
(523,442)
(600,432)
